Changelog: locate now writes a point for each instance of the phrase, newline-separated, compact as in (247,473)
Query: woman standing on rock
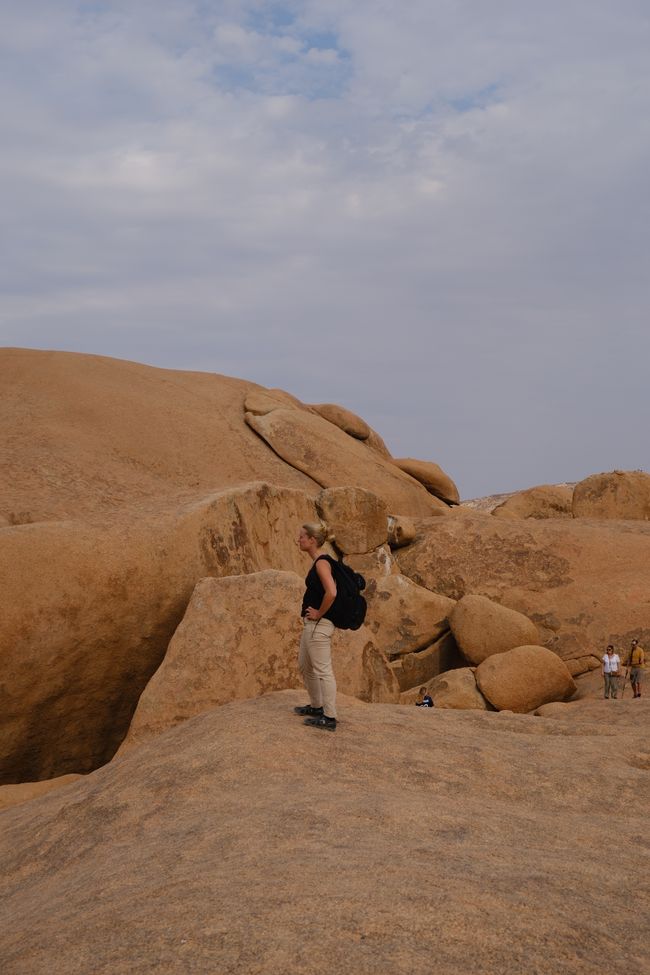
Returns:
(315,657)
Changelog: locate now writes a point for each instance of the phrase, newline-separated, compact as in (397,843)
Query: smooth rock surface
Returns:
(88,435)
(431,476)
(374,565)
(544,501)
(14,795)
(193,852)
(524,678)
(358,518)
(238,638)
(482,627)
(330,457)
(618,494)
(346,420)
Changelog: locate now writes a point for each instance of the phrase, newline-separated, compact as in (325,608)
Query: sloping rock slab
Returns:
(482,627)
(239,638)
(14,795)
(85,435)
(524,678)
(194,853)
(333,459)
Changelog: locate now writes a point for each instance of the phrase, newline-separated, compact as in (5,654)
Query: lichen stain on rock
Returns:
(214,546)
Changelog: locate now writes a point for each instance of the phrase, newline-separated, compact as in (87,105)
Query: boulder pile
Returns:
(150,572)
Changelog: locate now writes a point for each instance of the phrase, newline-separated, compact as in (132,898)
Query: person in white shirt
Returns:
(611,670)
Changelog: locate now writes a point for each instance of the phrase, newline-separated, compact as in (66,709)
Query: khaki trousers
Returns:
(315,665)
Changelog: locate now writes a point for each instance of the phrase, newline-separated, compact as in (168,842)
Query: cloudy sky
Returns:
(434,212)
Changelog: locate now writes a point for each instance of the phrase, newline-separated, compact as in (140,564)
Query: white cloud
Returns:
(445,204)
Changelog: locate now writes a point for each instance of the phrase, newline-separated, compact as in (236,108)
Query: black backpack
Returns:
(349,609)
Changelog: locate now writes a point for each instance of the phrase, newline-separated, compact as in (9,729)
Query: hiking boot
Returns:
(308,711)
(329,724)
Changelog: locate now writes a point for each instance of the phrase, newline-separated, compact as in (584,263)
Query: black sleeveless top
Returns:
(314,591)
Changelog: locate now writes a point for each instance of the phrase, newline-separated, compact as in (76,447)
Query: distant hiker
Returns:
(636,663)
(315,656)
(611,670)
(424,699)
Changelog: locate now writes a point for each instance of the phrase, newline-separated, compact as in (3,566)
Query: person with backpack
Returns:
(315,656)
(332,599)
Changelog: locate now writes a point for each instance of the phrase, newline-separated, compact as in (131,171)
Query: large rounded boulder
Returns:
(618,494)
(482,627)
(431,476)
(345,419)
(544,501)
(457,689)
(524,678)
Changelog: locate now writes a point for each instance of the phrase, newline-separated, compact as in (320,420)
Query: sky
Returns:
(434,212)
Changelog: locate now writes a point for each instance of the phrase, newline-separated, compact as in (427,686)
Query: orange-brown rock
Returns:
(583,584)
(84,434)
(619,494)
(346,420)
(412,670)
(192,852)
(582,665)
(544,501)
(357,517)
(431,476)
(361,667)
(524,678)
(404,617)
(376,443)
(89,609)
(261,401)
(14,795)
(401,531)
(482,627)
(332,458)
(375,564)
(238,638)
(457,689)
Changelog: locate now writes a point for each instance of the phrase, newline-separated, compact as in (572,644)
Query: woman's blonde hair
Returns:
(319,531)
